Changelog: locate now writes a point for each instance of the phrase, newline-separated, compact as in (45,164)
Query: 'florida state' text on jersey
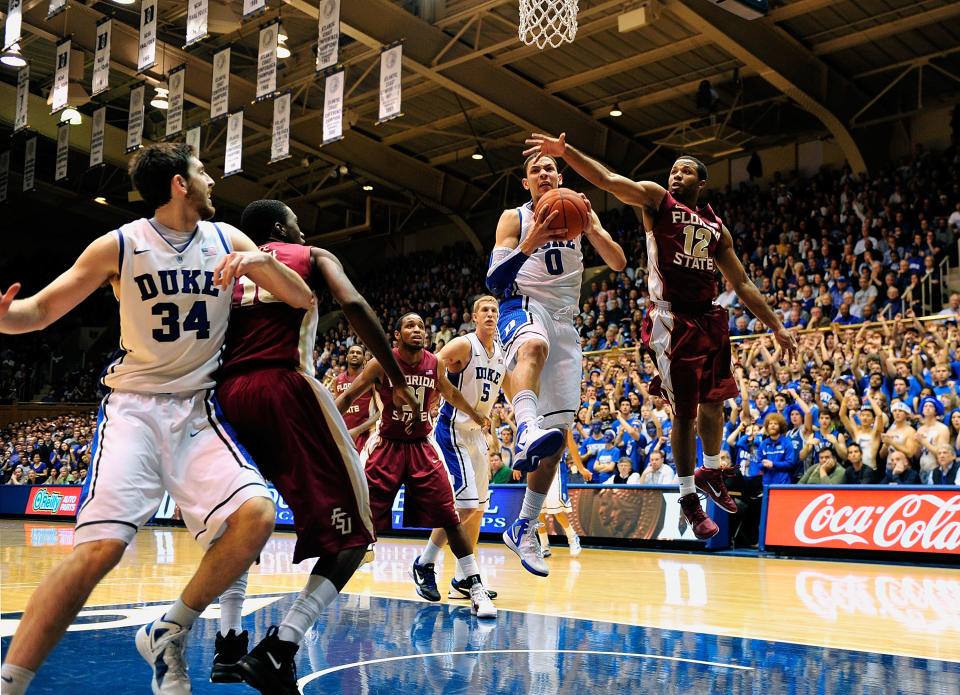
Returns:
(359,412)
(681,250)
(422,378)
(266,332)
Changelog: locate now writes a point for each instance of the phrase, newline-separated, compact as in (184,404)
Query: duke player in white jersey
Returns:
(475,366)
(539,274)
(159,427)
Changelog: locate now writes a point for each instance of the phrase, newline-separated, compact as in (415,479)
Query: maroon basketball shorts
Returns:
(416,464)
(692,354)
(361,440)
(289,424)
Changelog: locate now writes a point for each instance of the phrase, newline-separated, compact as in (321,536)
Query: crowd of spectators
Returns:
(46,451)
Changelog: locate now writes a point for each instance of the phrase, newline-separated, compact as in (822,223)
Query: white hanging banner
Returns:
(63,150)
(193,139)
(23,98)
(29,163)
(328,43)
(61,77)
(280,144)
(234,153)
(97,132)
(391,58)
(147,56)
(220,87)
(333,107)
(4,175)
(13,25)
(101,58)
(175,82)
(56,7)
(267,62)
(253,7)
(197,13)
(135,119)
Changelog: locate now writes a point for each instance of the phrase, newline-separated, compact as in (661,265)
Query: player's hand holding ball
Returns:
(568,213)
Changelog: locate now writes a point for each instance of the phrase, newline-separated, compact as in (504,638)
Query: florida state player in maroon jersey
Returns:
(363,414)
(687,334)
(399,452)
(284,416)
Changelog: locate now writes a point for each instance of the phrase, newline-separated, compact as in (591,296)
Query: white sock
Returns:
(16,679)
(532,504)
(310,603)
(231,606)
(711,461)
(570,533)
(687,485)
(468,565)
(525,407)
(430,553)
(181,614)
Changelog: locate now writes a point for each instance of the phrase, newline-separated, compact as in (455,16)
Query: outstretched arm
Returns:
(263,269)
(610,251)
(370,376)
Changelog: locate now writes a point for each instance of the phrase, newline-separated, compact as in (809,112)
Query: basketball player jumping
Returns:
(539,275)
(363,414)
(400,453)
(685,331)
(160,426)
(475,366)
(289,422)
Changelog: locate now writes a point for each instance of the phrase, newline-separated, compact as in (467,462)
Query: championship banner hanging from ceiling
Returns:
(391,59)
(175,83)
(233,156)
(63,150)
(253,7)
(97,132)
(193,138)
(333,107)
(267,61)
(61,77)
(147,56)
(29,163)
(23,99)
(280,143)
(4,175)
(220,87)
(135,119)
(197,13)
(13,25)
(328,42)
(56,7)
(101,58)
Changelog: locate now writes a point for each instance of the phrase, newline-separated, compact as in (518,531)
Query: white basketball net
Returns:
(548,22)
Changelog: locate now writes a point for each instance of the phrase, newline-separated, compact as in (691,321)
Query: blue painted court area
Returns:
(377,645)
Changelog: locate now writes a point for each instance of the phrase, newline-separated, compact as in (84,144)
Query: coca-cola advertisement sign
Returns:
(894,519)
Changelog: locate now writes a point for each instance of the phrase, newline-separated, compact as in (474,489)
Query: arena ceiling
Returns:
(844,69)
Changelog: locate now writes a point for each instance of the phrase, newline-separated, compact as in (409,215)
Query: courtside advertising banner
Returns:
(135,119)
(391,60)
(147,56)
(220,87)
(280,142)
(233,156)
(63,150)
(101,58)
(54,500)
(23,98)
(328,43)
(175,101)
(267,62)
(61,77)
(29,163)
(333,107)
(13,25)
(864,518)
(97,132)
(197,13)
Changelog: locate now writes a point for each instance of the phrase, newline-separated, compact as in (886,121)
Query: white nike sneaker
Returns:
(574,542)
(482,606)
(534,444)
(521,538)
(162,645)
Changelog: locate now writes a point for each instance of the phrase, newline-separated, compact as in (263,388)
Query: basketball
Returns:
(573,211)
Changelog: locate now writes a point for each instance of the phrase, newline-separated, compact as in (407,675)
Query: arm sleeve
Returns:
(504,265)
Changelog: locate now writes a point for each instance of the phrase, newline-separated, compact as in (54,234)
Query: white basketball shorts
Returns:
(147,443)
(524,318)
(465,455)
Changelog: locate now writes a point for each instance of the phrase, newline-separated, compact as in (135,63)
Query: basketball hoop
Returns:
(548,22)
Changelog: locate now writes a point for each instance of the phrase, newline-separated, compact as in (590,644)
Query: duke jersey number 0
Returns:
(552,275)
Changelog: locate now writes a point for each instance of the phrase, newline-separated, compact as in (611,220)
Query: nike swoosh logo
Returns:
(712,488)
(6,680)
(137,252)
(276,664)
(194,434)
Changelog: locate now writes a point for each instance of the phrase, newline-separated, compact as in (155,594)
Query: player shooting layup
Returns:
(539,275)
(686,332)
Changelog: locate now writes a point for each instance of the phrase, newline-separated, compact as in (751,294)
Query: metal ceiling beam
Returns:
(797,8)
(785,64)
(851,39)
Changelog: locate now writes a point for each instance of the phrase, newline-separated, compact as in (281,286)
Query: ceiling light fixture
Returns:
(615,111)
(100,199)
(13,57)
(367,187)
(71,115)
(124,2)
(477,154)
(282,50)
(159,100)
